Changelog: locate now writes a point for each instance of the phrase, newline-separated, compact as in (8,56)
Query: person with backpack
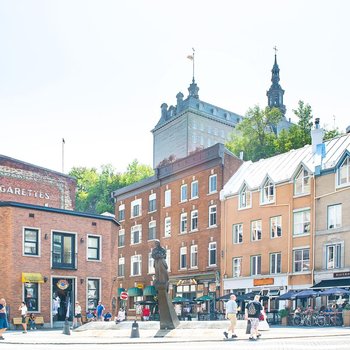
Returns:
(252,314)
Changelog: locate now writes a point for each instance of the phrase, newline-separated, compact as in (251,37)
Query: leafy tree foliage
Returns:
(94,187)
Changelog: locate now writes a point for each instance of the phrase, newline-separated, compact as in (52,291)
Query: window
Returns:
(152,228)
(268,192)
(136,265)
(343,173)
(334,216)
(194,256)
(31,296)
(244,198)
(167,259)
(276,226)
(212,253)
(255,265)
(121,238)
(237,233)
(136,234)
(136,208)
(167,198)
(236,267)
(183,223)
(194,189)
(121,212)
(302,182)
(333,256)
(121,267)
(93,248)
(275,263)
(301,258)
(150,264)
(212,215)
(194,220)
(167,226)
(152,203)
(93,293)
(31,242)
(63,251)
(183,257)
(183,193)
(256,230)
(212,183)
(301,222)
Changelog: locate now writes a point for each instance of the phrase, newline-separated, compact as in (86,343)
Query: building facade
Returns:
(180,206)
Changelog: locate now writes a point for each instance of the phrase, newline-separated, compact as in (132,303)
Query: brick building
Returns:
(180,206)
(51,254)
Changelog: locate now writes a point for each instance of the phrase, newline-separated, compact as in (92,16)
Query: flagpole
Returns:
(193,63)
(63,142)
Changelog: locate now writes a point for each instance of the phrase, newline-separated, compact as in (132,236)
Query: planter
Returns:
(346,318)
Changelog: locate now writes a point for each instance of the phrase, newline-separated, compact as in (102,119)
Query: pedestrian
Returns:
(32,324)
(3,318)
(146,313)
(231,314)
(100,308)
(77,315)
(252,313)
(24,310)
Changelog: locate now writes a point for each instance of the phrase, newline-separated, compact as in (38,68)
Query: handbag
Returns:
(261,317)
(249,326)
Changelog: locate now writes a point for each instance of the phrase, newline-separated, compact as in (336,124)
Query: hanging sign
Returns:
(62,284)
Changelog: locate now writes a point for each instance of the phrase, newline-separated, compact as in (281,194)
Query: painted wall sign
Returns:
(24,192)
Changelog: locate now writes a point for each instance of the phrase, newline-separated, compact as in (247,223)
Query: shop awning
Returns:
(135,292)
(341,282)
(150,291)
(32,277)
(119,290)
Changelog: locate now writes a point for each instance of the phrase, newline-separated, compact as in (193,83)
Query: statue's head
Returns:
(157,242)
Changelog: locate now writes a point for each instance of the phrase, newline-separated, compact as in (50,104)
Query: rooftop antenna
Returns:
(191,57)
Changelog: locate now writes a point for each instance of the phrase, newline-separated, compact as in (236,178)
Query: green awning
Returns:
(150,291)
(135,292)
(119,290)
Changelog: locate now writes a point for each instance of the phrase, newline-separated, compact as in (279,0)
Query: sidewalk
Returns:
(188,331)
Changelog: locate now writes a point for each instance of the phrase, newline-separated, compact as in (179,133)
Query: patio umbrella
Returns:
(204,298)
(308,293)
(335,291)
(288,296)
(180,300)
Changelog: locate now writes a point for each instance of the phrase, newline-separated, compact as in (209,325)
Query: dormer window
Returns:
(302,182)
(343,173)
(268,192)
(244,198)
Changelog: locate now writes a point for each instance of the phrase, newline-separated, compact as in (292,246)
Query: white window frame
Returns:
(266,196)
(183,193)
(194,256)
(194,220)
(334,216)
(183,223)
(183,258)
(194,189)
(304,263)
(213,183)
(134,229)
(245,198)
(237,267)
(301,227)
(276,226)
(136,204)
(121,209)
(167,226)
(237,233)
(276,262)
(212,247)
(167,198)
(343,172)
(137,259)
(121,270)
(152,226)
(168,259)
(38,241)
(212,216)
(152,199)
(255,265)
(335,250)
(302,182)
(151,270)
(120,234)
(256,230)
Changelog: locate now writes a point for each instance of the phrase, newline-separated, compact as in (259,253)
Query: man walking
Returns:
(252,313)
(231,314)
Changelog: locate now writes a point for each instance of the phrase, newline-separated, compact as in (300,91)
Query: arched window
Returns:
(302,182)
(244,198)
(268,192)
(343,173)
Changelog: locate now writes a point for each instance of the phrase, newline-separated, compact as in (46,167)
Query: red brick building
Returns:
(180,206)
(51,254)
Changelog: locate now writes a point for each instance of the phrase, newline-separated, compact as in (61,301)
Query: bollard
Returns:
(66,329)
(135,330)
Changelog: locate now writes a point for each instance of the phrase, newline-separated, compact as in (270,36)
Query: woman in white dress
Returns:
(263,325)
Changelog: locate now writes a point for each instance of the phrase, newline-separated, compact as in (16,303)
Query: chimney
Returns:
(316,135)
(241,155)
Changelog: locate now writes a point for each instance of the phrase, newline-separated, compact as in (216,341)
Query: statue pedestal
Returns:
(167,316)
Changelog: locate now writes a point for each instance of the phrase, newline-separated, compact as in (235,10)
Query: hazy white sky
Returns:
(96,72)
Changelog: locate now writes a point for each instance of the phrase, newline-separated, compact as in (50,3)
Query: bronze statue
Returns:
(160,267)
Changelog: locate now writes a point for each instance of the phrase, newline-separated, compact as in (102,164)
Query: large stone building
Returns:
(180,206)
(51,254)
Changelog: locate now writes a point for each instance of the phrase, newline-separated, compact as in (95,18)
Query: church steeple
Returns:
(275,93)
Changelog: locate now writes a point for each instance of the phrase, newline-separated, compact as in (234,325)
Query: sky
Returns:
(96,72)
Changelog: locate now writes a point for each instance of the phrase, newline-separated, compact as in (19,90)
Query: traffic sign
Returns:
(124,296)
